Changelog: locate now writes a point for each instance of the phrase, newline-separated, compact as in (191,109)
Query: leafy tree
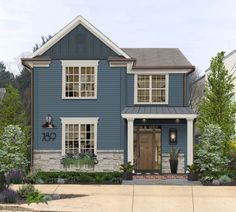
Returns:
(12,110)
(216,107)
(210,153)
(23,82)
(6,78)
(12,149)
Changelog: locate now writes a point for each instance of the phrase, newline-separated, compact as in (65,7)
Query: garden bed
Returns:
(50,197)
(78,178)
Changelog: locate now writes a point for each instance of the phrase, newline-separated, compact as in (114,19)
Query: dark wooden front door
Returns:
(145,159)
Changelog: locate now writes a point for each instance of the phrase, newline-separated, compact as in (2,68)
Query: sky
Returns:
(199,28)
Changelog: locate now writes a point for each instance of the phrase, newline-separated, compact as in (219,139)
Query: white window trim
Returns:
(78,120)
(151,103)
(79,63)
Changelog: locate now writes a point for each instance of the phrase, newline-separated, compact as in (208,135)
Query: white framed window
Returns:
(79,135)
(79,79)
(151,89)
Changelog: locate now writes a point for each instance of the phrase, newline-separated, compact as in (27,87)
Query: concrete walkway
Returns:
(140,198)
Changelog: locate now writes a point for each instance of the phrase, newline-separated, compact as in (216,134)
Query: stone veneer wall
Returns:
(50,160)
(166,163)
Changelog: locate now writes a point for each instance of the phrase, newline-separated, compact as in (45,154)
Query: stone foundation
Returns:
(166,163)
(50,160)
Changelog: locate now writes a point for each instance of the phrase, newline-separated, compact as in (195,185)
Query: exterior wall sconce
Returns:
(48,123)
(173,136)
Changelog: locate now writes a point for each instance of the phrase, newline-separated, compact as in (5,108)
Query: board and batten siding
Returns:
(108,106)
(79,44)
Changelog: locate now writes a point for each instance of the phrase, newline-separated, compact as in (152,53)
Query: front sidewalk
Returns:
(139,198)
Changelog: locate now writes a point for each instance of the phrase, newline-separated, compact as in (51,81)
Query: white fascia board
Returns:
(79,62)
(127,64)
(159,116)
(158,71)
(68,28)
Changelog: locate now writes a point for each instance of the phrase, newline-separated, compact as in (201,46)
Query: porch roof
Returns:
(158,112)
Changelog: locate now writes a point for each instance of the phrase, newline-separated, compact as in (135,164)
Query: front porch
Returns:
(148,137)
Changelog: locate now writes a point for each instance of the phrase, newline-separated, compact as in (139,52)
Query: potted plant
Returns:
(127,169)
(193,172)
(174,154)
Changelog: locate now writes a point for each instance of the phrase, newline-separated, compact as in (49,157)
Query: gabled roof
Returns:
(68,28)
(158,58)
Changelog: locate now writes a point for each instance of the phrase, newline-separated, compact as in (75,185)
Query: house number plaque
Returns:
(47,136)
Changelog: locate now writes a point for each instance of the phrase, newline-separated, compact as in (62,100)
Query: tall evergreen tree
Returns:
(217,106)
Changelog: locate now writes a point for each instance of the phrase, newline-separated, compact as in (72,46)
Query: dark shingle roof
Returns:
(158,58)
(157,110)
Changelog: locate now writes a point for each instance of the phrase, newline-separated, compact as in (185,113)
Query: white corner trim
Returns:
(78,120)
(69,27)
(189,141)
(159,116)
(151,103)
(79,63)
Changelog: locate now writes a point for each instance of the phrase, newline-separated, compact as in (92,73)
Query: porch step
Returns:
(160,176)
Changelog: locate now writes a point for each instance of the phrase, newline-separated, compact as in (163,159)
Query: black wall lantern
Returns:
(173,136)
(48,122)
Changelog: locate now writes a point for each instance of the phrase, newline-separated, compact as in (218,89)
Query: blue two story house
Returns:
(122,104)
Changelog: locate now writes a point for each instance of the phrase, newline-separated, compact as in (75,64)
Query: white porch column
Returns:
(130,140)
(189,141)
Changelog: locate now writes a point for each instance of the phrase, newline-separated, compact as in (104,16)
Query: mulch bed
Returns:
(62,196)
(221,184)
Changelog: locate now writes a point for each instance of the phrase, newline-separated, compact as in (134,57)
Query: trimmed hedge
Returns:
(81,177)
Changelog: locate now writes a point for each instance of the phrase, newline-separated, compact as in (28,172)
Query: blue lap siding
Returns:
(115,91)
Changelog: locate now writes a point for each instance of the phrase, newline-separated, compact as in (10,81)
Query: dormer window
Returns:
(79,79)
(151,89)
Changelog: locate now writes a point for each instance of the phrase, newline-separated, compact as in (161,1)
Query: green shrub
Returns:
(31,177)
(36,197)
(127,167)
(225,179)
(73,177)
(12,149)
(84,178)
(26,190)
(107,177)
(210,156)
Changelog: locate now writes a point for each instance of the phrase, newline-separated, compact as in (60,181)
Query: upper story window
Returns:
(151,89)
(79,79)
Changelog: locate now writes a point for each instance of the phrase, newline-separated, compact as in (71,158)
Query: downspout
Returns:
(32,119)
(184,89)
